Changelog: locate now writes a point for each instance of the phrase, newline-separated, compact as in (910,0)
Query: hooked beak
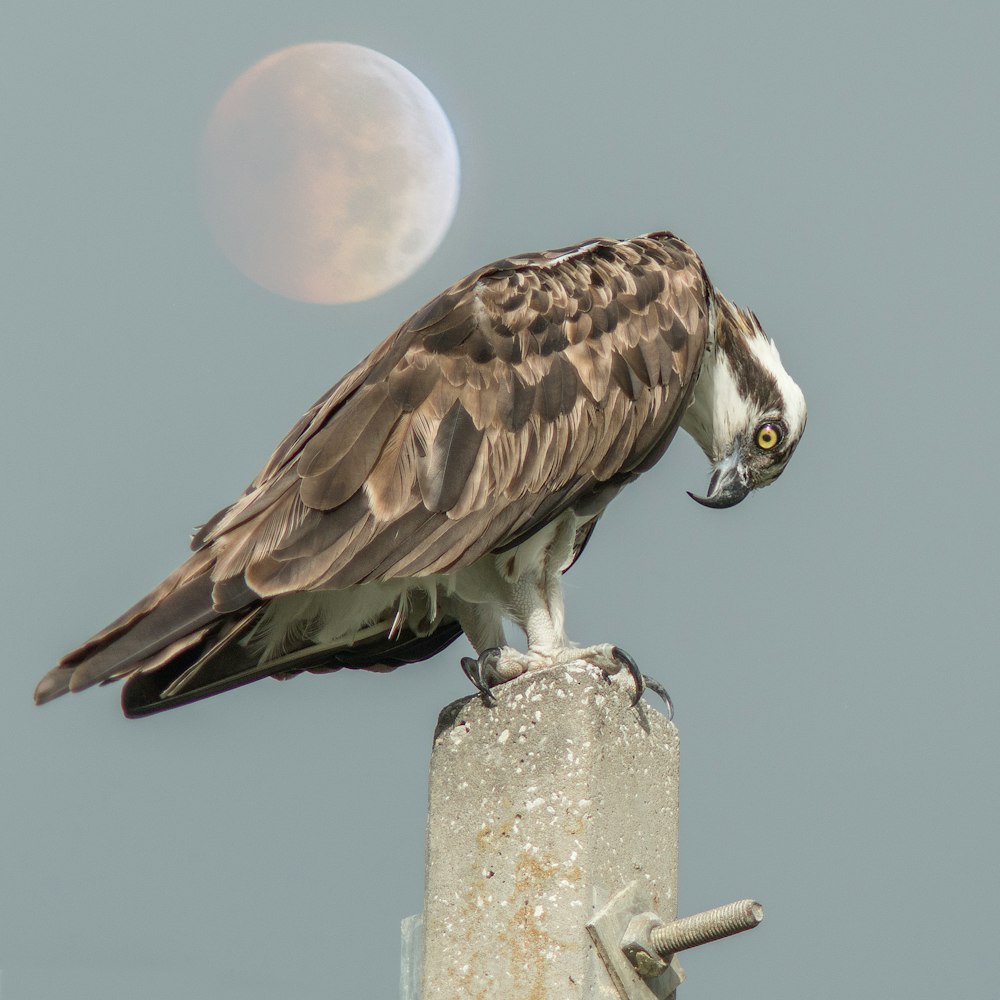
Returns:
(728,485)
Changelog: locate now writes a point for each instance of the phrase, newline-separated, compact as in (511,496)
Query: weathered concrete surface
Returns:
(540,809)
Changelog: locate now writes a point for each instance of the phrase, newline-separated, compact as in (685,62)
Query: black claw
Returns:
(657,688)
(474,669)
(633,668)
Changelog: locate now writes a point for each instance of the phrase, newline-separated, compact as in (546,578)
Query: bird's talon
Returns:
(632,667)
(472,669)
(657,688)
(479,670)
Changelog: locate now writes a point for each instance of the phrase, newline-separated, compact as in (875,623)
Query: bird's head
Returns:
(747,413)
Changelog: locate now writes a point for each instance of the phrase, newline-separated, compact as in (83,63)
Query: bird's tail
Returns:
(168,625)
(181,643)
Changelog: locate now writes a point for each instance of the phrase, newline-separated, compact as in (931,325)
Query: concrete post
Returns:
(541,809)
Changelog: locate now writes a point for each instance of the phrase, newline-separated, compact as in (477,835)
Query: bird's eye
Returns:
(768,436)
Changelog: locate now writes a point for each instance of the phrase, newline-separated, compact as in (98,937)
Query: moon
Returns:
(329,173)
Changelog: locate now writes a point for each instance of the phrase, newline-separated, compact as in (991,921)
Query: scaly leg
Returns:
(535,603)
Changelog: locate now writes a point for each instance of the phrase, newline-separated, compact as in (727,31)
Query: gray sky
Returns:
(831,645)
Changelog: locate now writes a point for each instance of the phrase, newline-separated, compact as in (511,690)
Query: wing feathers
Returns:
(559,390)
(443,473)
(336,463)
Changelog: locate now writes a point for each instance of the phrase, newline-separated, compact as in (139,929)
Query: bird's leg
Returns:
(533,600)
(535,603)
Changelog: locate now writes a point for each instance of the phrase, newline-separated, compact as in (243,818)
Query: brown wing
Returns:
(517,391)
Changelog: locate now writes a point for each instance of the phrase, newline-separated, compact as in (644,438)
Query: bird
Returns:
(446,483)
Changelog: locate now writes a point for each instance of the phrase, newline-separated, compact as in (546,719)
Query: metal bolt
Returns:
(712,925)
(649,943)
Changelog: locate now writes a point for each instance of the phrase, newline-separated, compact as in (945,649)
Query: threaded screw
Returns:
(649,943)
(712,925)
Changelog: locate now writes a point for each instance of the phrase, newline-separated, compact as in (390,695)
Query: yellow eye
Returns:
(768,436)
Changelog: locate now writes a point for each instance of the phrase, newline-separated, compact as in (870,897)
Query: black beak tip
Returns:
(715,503)
(727,487)
(721,499)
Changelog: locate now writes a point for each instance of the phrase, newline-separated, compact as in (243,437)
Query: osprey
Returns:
(447,482)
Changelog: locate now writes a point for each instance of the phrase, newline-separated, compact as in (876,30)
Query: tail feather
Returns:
(175,647)
(217,664)
(199,565)
(154,625)
(223,664)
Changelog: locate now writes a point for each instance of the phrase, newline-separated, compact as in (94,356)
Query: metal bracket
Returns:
(411,958)
(607,927)
(639,949)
